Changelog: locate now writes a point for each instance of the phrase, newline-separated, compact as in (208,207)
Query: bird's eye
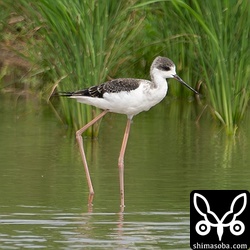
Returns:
(165,68)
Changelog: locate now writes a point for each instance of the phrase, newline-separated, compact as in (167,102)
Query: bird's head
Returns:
(165,68)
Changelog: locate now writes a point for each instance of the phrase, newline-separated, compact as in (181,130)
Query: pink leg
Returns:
(121,162)
(80,143)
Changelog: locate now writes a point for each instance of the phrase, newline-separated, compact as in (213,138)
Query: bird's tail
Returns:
(63,94)
(83,92)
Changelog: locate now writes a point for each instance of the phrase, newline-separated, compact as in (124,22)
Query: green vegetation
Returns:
(84,42)
(223,52)
(76,44)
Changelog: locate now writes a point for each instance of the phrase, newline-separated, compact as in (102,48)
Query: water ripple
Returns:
(138,230)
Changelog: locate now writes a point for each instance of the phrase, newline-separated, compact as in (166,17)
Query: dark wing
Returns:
(121,84)
(113,86)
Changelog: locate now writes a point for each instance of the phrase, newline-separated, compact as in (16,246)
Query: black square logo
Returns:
(219,219)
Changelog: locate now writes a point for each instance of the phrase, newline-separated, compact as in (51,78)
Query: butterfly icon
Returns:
(203,227)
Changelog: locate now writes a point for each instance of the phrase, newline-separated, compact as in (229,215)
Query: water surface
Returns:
(43,194)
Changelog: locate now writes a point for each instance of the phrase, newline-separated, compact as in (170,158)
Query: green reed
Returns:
(210,45)
(223,49)
(84,42)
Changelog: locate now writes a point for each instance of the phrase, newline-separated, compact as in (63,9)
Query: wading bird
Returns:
(127,96)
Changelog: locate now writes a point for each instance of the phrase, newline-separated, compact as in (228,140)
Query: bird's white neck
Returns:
(157,79)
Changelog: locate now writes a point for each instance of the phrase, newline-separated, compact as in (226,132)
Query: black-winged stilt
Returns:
(127,96)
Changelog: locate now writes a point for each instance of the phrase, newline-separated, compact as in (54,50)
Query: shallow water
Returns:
(43,194)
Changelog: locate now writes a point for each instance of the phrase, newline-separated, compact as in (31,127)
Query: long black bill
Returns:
(185,84)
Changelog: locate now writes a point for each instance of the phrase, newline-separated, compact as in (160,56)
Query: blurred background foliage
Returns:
(69,45)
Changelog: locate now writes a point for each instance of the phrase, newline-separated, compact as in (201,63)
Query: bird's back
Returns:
(112,86)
